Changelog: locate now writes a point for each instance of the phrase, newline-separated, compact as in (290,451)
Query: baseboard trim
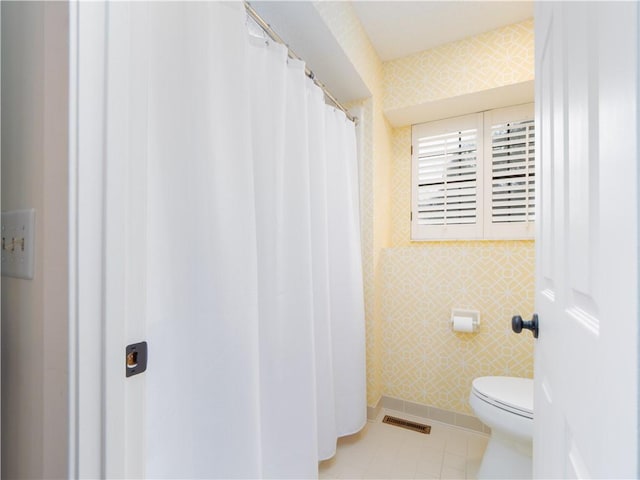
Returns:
(442,415)
(372,412)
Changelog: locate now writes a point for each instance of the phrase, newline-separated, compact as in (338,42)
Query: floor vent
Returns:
(399,422)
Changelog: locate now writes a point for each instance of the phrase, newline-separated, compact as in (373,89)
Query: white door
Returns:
(107,442)
(586,357)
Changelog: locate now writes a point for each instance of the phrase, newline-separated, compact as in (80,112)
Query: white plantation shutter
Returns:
(474,176)
(510,191)
(512,166)
(447,178)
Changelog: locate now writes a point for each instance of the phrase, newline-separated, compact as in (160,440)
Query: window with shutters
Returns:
(473,176)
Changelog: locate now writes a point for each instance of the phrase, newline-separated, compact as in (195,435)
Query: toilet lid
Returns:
(509,393)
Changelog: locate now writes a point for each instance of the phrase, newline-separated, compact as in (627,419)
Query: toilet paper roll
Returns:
(463,324)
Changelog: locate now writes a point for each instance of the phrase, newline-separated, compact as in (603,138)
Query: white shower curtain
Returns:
(254,279)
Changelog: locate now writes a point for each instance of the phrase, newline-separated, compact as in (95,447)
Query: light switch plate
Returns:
(17,248)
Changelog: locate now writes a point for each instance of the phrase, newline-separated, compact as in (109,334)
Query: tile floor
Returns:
(386,451)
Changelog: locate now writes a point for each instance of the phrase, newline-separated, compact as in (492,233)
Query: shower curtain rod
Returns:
(275,37)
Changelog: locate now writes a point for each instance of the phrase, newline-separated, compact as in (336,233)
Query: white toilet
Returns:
(505,404)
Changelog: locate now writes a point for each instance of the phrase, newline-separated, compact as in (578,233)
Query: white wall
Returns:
(34,174)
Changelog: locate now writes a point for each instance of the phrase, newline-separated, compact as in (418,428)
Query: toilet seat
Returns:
(511,394)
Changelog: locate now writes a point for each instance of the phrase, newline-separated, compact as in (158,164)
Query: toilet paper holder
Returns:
(465,321)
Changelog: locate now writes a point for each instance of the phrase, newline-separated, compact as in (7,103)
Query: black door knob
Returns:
(517,324)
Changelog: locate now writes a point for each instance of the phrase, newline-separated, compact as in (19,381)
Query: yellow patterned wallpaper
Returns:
(424,361)
(401,187)
(494,59)
(410,288)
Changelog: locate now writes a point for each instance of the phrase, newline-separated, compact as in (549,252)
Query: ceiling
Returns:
(398,28)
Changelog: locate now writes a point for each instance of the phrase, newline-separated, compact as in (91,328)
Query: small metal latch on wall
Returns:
(135,358)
